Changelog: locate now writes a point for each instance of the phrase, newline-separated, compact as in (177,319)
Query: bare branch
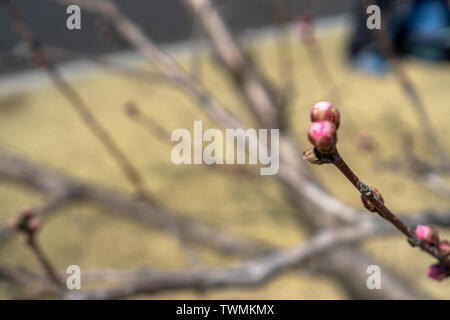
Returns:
(74,99)
(261,98)
(249,273)
(384,43)
(16,168)
(28,224)
(135,36)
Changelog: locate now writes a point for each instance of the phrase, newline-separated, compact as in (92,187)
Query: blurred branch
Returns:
(135,36)
(18,169)
(196,54)
(385,45)
(285,51)
(162,134)
(40,286)
(21,171)
(245,274)
(251,273)
(58,53)
(194,231)
(28,224)
(20,276)
(425,174)
(151,125)
(74,99)
(315,54)
(412,164)
(261,97)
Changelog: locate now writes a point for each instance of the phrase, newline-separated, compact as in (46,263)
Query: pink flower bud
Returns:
(438,272)
(325,111)
(368,204)
(427,234)
(323,135)
(444,248)
(310,156)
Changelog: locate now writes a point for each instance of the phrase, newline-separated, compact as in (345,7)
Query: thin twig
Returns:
(367,192)
(28,224)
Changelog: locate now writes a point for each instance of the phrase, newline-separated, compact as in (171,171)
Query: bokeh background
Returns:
(37,122)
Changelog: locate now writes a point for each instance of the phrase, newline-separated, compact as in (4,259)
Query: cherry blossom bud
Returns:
(325,111)
(438,272)
(444,248)
(323,135)
(427,234)
(310,156)
(368,204)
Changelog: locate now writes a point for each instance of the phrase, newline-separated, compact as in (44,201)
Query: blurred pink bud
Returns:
(310,156)
(444,248)
(34,224)
(325,111)
(368,204)
(323,135)
(305,28)
(27,210)
(366,142)
(427,234)
(305,31)
(438,272)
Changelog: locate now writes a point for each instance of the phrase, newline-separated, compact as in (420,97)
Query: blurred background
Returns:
(152,16)
(308,50)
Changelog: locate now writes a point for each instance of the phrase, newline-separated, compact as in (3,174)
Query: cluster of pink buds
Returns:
(431,237)
(322,132)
